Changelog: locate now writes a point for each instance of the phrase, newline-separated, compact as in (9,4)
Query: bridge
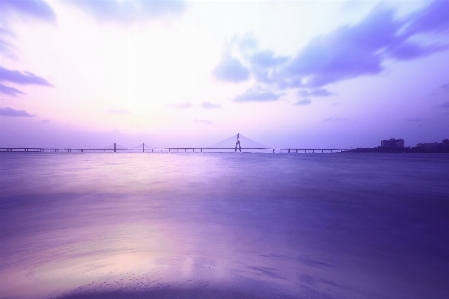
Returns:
(222,146)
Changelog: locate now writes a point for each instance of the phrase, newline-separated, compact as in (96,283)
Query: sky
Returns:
(302,74)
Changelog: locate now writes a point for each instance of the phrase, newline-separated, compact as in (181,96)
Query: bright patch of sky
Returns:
(191,73)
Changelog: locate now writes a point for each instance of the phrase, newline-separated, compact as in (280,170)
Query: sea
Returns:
(224,225)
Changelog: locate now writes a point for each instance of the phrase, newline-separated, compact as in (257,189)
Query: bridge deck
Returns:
(168,149)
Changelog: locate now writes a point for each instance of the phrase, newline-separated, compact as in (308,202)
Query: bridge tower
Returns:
(238,143)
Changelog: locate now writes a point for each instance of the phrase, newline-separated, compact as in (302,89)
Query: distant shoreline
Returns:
(421,150)
(406,150)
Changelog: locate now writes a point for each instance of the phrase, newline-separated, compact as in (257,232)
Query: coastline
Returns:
(407,150)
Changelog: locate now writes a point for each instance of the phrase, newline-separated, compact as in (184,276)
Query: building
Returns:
(392,143)
(443,144)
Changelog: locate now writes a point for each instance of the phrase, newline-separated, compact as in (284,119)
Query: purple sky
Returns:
(179,73)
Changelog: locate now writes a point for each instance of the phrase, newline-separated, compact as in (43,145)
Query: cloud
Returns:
(321,92)
(303,102)
(8,111)
(347,52)
(202,122)
(431,18)
(266,59)
(17,77)
(9,90)
(35,8)
(409,50)
(209,105)
(7,48)
(230,69)
(259,63)
(182,105)
(257,95)
(23,78)
(353,51)
(129,11)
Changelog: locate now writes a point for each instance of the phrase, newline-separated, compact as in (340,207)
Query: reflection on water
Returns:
(229,225)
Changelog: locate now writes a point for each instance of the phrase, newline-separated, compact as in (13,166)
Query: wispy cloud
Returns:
(17,77)
(129,11)
(209,105)
(35,8)
(202,122)
(8,111)
(303,102)
(320,92)
(256,94)
(6,47)
(10,90)
(23,78)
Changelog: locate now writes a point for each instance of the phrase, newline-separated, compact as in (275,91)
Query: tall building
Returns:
(392,143)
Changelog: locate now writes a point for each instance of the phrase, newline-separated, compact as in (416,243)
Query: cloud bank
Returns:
(345,53)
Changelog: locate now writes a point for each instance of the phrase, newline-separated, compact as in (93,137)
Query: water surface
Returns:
(199,225)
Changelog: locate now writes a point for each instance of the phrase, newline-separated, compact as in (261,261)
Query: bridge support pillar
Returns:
(115,147)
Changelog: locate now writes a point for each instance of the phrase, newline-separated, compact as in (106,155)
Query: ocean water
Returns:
(208,225)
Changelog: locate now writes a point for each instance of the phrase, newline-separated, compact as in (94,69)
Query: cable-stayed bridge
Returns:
(235,143)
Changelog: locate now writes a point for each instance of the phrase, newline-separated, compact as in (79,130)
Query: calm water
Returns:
(203,225)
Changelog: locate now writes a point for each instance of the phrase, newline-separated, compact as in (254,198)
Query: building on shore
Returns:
(434,145)
(392,143)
